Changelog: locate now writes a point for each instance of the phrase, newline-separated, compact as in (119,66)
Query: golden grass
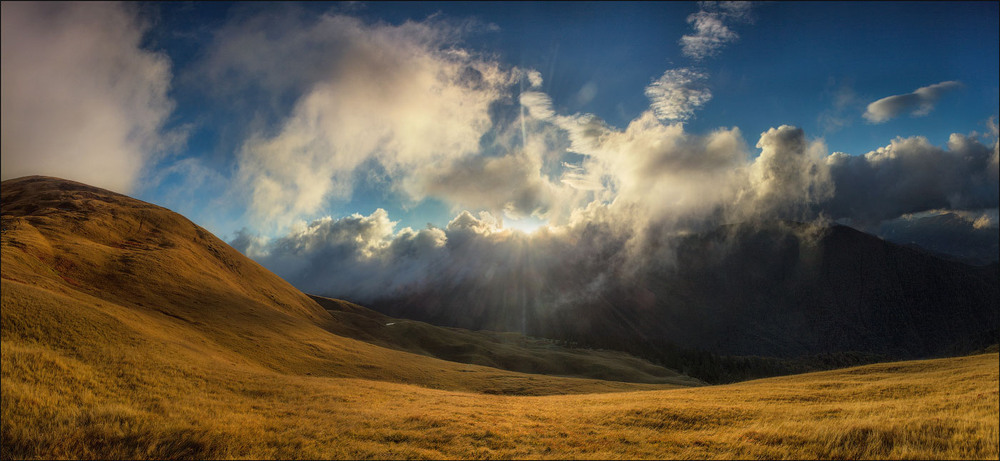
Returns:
(56,405)
(166,343)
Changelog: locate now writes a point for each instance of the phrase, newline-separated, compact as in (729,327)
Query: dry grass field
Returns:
(129,332)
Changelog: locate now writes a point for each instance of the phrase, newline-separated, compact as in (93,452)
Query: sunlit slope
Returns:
(57,405)
(119,283)
(509,351)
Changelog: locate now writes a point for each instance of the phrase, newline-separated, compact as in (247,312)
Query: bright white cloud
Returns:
(80,99)
(918,103)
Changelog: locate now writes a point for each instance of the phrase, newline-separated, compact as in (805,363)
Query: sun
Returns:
(528,224)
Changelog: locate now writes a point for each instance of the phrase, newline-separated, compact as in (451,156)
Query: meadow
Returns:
(58,406)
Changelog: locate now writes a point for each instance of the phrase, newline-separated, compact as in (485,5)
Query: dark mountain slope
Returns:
(779,290)
(508,351)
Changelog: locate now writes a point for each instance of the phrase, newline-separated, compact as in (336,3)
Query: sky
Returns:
(369,136)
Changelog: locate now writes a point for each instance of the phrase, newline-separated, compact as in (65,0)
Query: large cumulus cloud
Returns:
(364,257)
(81,98)
(911,175)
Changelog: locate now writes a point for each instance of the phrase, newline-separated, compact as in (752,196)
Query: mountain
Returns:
(948,235)
(504,350)
(88,272)
(778,289)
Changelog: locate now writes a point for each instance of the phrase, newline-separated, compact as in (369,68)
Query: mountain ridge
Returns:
(781,289)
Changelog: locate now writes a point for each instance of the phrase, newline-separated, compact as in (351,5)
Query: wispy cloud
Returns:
(845,104)
(918,103)
(711,30)
(539,104)
(81,99)
(677,93)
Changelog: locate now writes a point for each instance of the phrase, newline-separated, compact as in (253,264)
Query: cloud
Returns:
(787,178)
(577,177)
(80,98)
(511,183)
(911,175)
(845,105)
(918,103)
(711,31)
(657,165)
(648,185)
(539,104)
(993,132)
(535,78)
(986,220)
(444,123)
(677,93)
(405,96)
(437,119)
(362,257)
(325,254)
(586,94)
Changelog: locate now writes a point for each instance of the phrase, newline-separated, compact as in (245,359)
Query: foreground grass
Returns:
(58,406)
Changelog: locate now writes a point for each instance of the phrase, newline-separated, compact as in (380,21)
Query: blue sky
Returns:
(241,115)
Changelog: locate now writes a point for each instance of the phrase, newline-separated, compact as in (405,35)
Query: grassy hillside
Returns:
(127,331)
